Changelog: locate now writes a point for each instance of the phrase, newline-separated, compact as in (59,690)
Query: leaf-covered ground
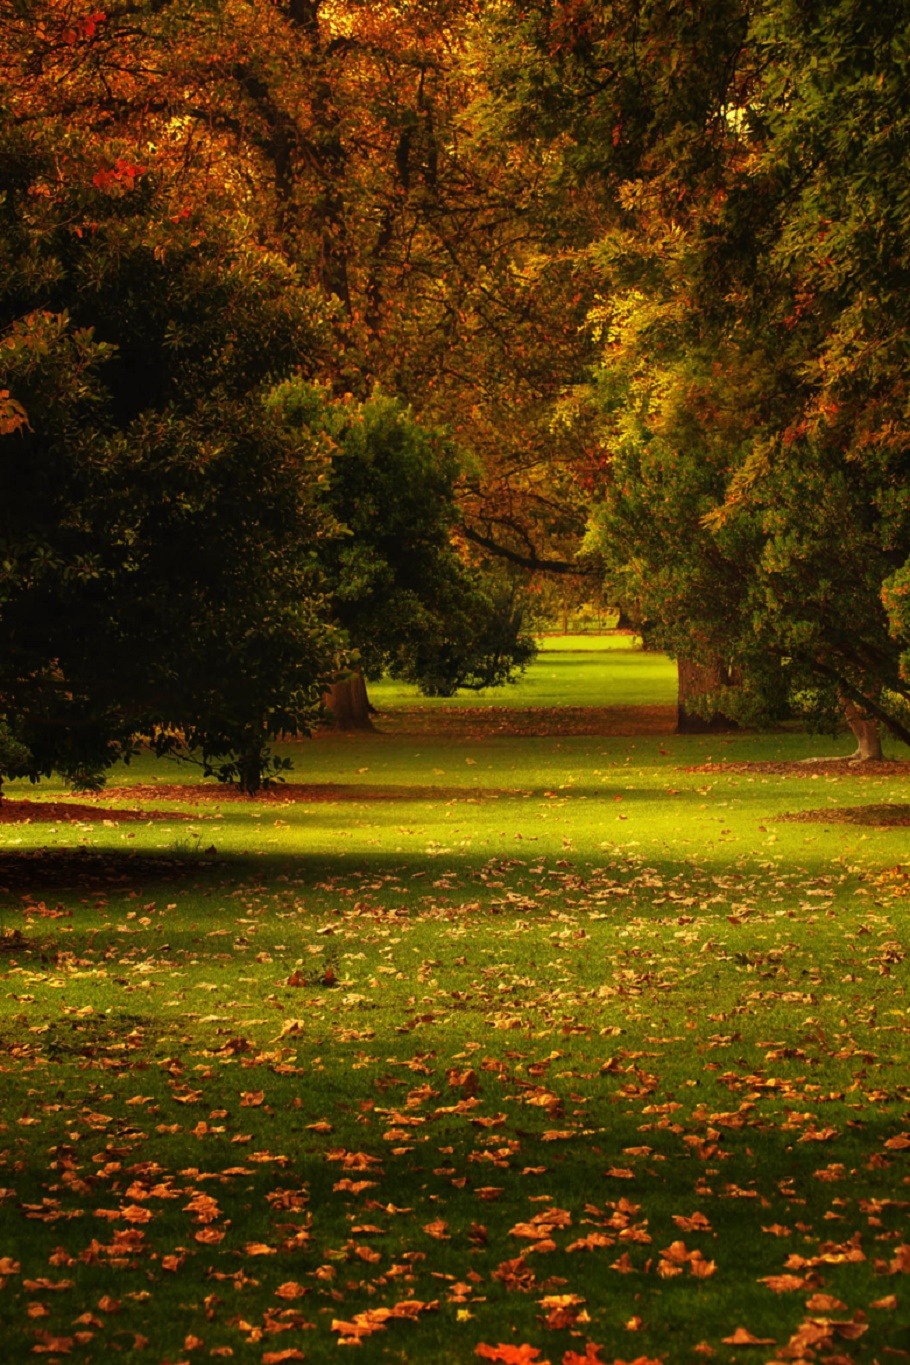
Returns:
(561,1053)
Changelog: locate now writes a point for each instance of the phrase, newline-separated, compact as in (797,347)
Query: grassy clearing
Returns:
(483,1037)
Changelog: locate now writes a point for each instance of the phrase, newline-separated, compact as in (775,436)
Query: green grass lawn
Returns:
(484,1036)
(576,670)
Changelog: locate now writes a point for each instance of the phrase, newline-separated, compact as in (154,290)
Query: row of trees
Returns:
(631,269)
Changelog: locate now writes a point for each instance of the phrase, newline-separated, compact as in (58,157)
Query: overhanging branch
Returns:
(531,561)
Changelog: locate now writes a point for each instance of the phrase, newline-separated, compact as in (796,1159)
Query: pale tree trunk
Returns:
(347,703)
(695,681)
(866,732)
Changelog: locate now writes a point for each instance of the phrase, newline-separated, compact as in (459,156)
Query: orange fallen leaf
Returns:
(512,1355)
(623,1265)
(590,1357)
(743,1337)
(276,1357)
(783,1284)
(560,1300)
(825,1303)
(46,1344)
(701,1268)
(593,1239)
(697,1222)
(291,1289)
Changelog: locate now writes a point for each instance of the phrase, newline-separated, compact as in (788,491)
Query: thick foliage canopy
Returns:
(401,588)
(750,265)
(158,527)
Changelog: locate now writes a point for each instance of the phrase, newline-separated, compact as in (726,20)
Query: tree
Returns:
(158,526)
(750,163)
(401,590)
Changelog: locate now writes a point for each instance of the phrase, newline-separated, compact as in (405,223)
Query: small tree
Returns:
(401,590)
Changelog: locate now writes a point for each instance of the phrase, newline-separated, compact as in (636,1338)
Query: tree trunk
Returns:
(249,771)
(347,703)
(695,681)
(866,732)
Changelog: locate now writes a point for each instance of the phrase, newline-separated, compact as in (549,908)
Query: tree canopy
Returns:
(747,262)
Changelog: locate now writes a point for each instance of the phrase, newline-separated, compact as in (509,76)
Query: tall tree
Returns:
(750,161)
(158,526)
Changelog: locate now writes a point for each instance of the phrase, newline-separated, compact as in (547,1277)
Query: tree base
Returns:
(347,703)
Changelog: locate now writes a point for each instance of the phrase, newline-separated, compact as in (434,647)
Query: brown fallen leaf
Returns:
(438,1229)
(825,1303)
(696,1222)
(46,1344)
(743,1337)
(785,1284)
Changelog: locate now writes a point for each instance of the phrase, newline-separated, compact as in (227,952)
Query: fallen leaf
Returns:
(512,1355)
(825,1303)
(743,1337)
(438,1229)
(291,1289)
(784,1284)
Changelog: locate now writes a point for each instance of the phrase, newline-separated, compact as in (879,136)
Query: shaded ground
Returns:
(883,815)
(478,721)
(19,812)
(830,767)
(888,815)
